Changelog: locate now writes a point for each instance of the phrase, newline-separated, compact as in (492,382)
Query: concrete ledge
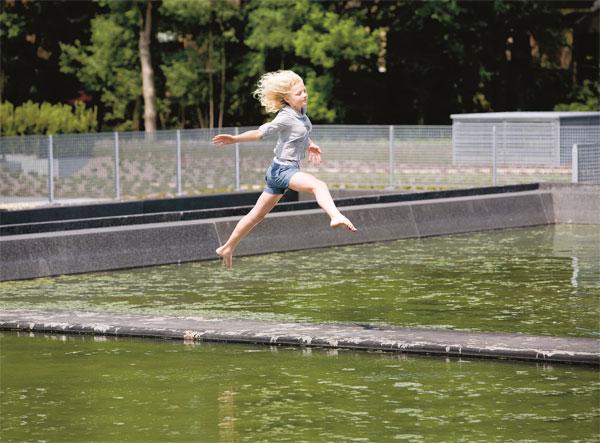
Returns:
(575,203)
(36,255)
(451,216)
(405,340)
(77,251)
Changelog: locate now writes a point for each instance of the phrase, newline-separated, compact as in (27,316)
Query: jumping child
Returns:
(282,92)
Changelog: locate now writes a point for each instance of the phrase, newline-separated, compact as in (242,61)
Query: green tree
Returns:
(30,37)
(584,98)
(196,67)
(393,61)
(117,63)
(305,36)
(454,56)
(109,66)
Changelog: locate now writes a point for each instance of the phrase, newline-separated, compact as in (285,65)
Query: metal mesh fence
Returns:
(24,168)
(136,165)
(576,135)
(529,152)
(147,164)
(205,168)
(84,166)
(422,159)
(586,165)
(510,152)
(353,156)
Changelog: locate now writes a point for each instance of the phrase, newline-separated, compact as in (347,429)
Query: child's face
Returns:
(297,97)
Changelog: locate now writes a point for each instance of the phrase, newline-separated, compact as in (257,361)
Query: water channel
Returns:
(77,389)
(543,280)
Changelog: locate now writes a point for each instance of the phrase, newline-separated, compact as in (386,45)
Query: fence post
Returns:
(503,148)
(117,168)
(556,126)
(179,162)
(574,165)
(50,169)
(237,162)
(455,132)
(391,156)
(494,155)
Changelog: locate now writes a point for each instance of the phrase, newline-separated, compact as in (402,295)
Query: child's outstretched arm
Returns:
(227,139)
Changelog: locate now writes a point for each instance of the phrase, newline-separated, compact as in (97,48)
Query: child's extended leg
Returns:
(263,206)
(303,182)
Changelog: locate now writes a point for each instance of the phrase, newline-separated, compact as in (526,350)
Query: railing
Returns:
(184,162)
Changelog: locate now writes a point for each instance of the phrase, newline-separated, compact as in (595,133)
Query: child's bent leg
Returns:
(263,206)
(303,182)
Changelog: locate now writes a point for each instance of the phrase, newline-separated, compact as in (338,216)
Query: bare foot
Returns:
(340,220)
(226,253)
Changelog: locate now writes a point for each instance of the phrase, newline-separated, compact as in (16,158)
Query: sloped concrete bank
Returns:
(98,249)
(392,339)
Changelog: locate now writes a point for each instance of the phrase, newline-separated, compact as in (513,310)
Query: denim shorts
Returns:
(278,177)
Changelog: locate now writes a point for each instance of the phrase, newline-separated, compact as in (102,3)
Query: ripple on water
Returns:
(540,280)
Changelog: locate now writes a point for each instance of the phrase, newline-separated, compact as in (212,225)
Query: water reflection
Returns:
(226,415)
(582,247)
(575,264)
(79,389)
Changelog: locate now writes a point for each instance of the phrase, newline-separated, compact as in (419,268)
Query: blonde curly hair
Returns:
(272,88)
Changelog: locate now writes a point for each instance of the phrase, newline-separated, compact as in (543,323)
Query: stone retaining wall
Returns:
(70,252)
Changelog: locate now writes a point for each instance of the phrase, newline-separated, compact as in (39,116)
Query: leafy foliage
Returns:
(109,65)
(585,98)
(310,40)
(363,61)
(32,118)
(194,68)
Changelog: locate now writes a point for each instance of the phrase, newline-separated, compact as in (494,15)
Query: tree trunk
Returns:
(147,71)
(136,114)
(211,103)
(222,101)
(201,118)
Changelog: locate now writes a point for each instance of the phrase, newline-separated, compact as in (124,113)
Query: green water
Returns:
(74,389)
(543,280)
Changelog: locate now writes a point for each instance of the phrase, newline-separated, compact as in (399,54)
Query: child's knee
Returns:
(320,185)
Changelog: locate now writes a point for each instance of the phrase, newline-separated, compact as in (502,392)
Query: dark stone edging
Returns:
(436,342)
(128,208)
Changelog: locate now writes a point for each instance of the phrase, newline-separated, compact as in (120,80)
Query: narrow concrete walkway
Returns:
(408,340)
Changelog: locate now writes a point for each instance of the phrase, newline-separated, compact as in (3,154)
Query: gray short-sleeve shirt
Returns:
(293,129)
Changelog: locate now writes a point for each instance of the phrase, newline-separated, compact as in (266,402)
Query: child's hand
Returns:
(223,139)
(314,154)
